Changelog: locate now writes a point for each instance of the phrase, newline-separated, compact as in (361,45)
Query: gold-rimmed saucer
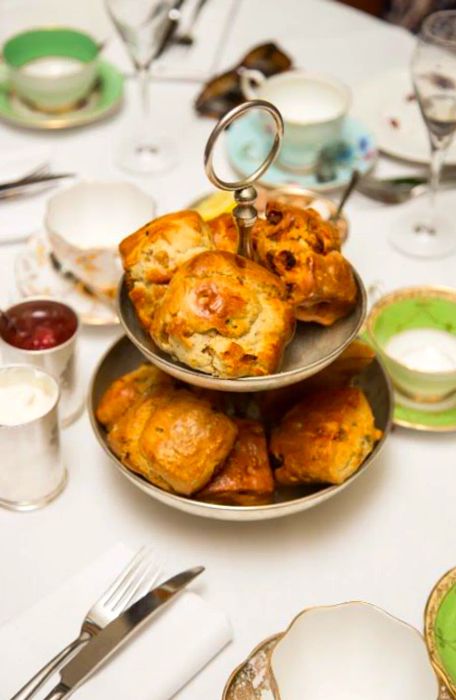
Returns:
(104,100)
(37,275)
(252,679)
(440,629)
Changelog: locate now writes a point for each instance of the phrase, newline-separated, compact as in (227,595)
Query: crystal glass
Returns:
(429,233)
(142,25)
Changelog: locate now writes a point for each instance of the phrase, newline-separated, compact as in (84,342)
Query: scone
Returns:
(186,441)
(152,255)
(225,232)
(123,438)
(302,249)
(324,438)
(126,390)
(224,315)
(355,358)
(246,477)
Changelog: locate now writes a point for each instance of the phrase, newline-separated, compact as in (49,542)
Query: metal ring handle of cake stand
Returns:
(245,194)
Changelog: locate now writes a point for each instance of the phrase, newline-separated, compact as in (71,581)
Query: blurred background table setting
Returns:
(283,171)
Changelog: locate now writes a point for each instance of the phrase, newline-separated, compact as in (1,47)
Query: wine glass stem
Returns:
(143,82)
(437,155)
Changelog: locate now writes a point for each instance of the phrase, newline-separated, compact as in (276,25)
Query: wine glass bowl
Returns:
(428,233)
(142,25)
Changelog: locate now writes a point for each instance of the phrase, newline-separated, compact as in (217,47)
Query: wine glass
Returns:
(142,25)
(429,233)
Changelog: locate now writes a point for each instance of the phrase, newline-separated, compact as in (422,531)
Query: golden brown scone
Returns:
(186,441)
(224,315)
(124,436)
(151,255)
(302,249)
(246,477)
(355,358)
(324,438)
(225,232)
(127,389)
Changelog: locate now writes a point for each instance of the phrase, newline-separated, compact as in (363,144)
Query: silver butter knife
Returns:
(31,184)
(117,633)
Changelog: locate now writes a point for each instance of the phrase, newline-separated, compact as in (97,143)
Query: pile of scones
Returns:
(227,315)
(230,316)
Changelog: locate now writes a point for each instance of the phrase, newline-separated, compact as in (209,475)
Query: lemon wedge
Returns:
(215,204)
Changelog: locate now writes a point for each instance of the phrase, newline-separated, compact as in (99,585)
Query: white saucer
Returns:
(36,275)
(387,105)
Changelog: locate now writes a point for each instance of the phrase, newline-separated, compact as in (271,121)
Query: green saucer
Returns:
(105,99)
(440,629)
(422,419)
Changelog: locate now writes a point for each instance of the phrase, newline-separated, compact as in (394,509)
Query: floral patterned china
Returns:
(247,144)
(38,273)
(337,652)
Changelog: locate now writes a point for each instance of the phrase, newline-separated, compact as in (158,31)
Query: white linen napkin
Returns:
(21,216)
(154,665)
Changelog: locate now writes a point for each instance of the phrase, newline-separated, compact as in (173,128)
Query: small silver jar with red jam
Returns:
(43,332)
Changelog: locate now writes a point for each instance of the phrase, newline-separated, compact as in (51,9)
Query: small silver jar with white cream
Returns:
(31,468)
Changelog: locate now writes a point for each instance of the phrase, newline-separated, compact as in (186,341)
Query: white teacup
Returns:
(351,651)
(313,108)
(85,224)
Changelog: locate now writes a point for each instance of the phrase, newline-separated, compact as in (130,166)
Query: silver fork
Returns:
(139,574)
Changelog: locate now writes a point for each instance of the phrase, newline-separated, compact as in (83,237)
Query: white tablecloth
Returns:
(386,539)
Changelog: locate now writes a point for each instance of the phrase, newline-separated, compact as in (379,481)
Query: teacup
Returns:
(414,332)
(351,651)
(85,224)
(313,108)
(51,69)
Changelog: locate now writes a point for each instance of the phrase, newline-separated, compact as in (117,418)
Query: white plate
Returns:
(37,276)
(386,104)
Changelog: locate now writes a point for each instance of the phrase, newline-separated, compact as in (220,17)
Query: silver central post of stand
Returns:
(245,194)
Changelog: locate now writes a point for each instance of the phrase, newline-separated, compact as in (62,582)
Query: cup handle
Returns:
(250,80)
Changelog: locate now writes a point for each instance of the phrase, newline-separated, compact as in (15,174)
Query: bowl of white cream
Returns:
(414,331)
(85,224)
(52,69)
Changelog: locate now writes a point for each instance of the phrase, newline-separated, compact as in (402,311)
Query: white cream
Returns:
(51,67)
(424,349)
(25,395)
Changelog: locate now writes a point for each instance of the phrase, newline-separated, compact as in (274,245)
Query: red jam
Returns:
(39,325)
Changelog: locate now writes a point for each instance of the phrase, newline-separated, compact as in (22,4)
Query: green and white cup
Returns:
(428,316)
(52,69)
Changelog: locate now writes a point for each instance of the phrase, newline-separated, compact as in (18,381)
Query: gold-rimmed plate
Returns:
(440,629)
(37,274)
(214,203)
(312,348)
(252,679)
(123,357)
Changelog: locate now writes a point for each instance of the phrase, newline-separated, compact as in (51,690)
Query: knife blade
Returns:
(27,185)
(172,23)
(117,633)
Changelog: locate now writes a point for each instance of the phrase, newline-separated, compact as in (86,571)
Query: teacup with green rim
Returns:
(52,69)
(414,332)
